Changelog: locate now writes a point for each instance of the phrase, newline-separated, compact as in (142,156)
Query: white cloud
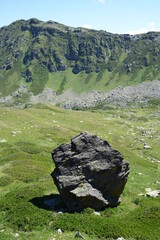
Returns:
(101,1)
(87,26)
(148,28)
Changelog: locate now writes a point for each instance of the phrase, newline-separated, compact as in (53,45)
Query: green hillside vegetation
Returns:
(43,55)
(40,54)
(27,137)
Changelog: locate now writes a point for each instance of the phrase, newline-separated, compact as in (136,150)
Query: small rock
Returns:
(146,146)
(120,238)
(79,235)
(16,234)
(96,213)
(141,194)
(155,193)
(14,133)
(3,141)
(59,231)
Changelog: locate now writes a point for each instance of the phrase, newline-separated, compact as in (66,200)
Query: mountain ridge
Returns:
(48,54)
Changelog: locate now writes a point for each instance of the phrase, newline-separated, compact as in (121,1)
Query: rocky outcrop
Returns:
(89,173)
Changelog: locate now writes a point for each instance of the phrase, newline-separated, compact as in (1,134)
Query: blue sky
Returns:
(116,16)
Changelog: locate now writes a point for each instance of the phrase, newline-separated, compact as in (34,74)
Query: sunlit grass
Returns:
(27,137)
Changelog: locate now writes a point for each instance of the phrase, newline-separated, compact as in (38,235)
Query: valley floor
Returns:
(27,138)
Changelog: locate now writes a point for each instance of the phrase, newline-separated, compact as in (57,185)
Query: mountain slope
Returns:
(48,54)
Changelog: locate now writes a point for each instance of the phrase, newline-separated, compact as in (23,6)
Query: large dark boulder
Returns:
(89,173)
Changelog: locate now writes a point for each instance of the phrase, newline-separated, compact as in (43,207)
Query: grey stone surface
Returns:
(89,173)
(155,193)
(141,93)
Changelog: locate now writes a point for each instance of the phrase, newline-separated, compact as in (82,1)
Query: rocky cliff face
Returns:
(89,173)
(31,50)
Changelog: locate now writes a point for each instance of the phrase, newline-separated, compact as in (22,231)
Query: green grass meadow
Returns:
(27,138)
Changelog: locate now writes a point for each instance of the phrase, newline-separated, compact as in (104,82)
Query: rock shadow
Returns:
(49,202)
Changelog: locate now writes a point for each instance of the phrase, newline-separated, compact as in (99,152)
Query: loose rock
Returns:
(155,193)
(79,235)
(59,231)
(3,140)
(146,146)
(96,213)
(89,173)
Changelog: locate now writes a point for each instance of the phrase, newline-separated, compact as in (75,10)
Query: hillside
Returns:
(27,138)
(48,54)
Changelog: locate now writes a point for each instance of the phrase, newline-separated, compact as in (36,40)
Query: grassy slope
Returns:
(30,51)
(26,164)
(11,79)
(104,80)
